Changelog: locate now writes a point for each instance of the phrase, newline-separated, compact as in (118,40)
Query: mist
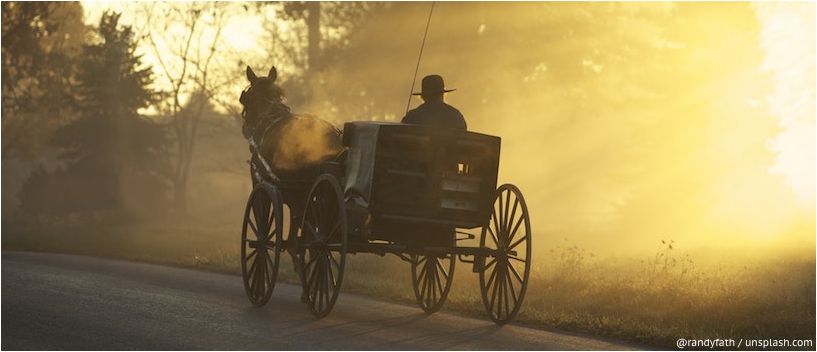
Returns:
(666,150)
(624,124)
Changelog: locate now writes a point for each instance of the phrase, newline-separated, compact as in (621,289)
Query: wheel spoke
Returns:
(505,212)
(421,260)
(257,277)
(268,273)
(319,281)
(312,260)
(262,270)
(257,214)
(334,261)
(325,284)
(251,255)
(271,221)
(517,242)
(332,274)
(491,262)
(515,273)
(517,259)
(429,279)
(513,291)
(427,291)
(497,234)
(493,236)
(493,292)
(251,276)
(423,273)
(513,211)
(505,284)
(501,287)
(423,282)
(516,227)
(434,288)
(492,277)
(310,281)
(440,286)
(271,265)
(312,220)
(251,271)
(252,226)
(442,270)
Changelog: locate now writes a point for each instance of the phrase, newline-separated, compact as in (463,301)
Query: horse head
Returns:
(261,97)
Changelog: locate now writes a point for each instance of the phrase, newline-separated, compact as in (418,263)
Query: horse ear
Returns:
(251,75)
(273,74)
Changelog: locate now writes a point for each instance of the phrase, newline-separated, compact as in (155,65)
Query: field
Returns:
(652,299)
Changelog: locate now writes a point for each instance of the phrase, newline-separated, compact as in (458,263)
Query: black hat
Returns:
(433,84)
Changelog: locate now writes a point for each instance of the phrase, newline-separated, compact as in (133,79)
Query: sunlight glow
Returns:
(789,38)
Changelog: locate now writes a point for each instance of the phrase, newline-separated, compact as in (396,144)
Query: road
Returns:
(56,302)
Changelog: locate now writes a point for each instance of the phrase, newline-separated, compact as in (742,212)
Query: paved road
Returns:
(52,301)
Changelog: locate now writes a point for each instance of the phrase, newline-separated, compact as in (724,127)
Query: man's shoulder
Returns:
(411,116)
(452,109)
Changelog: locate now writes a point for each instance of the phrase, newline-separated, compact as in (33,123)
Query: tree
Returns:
(187,65)
(41,41)
(306,37)
(111,153)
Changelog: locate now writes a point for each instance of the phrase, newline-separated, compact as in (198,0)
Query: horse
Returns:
(291,144)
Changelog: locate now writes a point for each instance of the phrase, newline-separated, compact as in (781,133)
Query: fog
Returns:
(623,124)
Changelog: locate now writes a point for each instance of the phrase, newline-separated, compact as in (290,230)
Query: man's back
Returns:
(436,114)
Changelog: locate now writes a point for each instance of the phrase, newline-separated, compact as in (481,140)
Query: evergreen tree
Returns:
(112,153)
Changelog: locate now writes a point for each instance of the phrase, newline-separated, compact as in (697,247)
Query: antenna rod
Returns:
(414,79)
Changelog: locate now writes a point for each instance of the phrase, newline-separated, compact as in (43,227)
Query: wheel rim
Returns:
(323,232)
(260,243)
(431,277)
(504,280)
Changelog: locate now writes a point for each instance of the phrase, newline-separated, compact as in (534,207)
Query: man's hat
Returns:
(433,84)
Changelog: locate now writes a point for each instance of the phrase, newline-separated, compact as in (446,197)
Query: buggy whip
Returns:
(414,79)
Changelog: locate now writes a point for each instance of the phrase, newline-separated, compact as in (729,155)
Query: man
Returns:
(434,111)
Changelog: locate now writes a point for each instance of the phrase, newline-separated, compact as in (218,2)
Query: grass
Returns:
(652,299)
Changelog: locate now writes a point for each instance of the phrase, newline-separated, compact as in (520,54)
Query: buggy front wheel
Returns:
(261,242)
(324,237)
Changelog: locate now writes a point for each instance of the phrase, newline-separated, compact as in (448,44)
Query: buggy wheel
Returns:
(324,237)
(261,243)
(504,279)
(431,277)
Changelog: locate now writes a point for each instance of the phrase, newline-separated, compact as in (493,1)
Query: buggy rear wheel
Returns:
(431,277)
(504,278)
(261,242)
(324,237)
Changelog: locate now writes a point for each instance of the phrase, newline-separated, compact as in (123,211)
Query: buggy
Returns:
(406,190)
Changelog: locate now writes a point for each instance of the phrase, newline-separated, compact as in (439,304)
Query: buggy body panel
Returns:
(419,182)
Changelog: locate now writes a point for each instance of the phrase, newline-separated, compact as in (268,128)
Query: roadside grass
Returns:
(652,300)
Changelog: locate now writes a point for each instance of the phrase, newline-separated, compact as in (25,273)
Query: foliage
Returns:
(306,39)
(109,150)
(41,41)
(192,71)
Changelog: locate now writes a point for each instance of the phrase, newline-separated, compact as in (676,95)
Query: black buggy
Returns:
(407,190)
